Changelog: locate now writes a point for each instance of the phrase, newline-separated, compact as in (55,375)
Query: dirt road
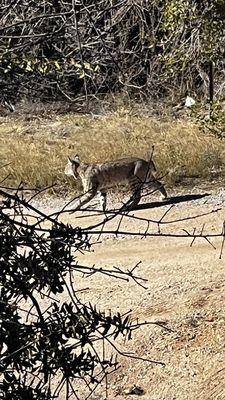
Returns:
(184,291)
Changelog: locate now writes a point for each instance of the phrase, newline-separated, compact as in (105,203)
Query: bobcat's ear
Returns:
(76,159)
(70,161)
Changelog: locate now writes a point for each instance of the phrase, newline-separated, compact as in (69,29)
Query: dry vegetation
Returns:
(37,149)
(185,289)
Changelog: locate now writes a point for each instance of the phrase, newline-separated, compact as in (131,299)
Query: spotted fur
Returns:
(99,177)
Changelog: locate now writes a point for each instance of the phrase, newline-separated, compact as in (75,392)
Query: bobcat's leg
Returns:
(103,197)
(89,194)
(135,186)
(157,185)
(150,179)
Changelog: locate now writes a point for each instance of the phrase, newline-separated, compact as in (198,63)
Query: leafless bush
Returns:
(70,49)
(62,340)
(38,257)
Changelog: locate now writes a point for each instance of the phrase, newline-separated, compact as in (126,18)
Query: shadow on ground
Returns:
(171,200)
(155,204)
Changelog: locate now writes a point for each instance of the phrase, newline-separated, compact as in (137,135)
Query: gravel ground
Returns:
(185,291)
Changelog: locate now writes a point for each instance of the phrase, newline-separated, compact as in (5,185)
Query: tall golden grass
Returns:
(37,150)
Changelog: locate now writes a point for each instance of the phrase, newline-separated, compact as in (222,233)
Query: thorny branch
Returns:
(38,259)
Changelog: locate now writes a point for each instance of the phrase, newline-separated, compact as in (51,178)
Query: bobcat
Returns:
(99,177)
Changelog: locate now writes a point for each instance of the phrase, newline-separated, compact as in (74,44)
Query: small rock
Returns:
(137,390)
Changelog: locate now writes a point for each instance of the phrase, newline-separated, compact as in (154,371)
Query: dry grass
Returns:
(37,150)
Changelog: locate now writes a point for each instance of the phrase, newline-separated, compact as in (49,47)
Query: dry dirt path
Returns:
(184,291)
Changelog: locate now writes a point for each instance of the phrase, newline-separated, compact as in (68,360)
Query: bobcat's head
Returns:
(72,166)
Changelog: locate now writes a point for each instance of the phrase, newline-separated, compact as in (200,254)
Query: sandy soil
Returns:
(184,291)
